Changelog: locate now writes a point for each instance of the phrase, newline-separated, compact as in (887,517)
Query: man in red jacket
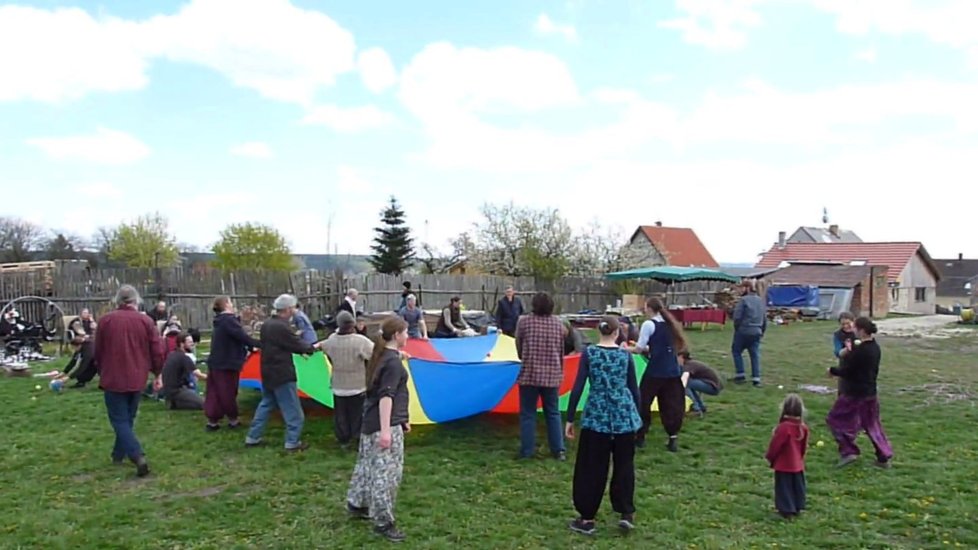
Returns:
(127,349)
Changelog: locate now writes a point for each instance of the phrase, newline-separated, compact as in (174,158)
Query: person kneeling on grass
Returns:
(180,373)
(702,379)
(608,429)
(81,367)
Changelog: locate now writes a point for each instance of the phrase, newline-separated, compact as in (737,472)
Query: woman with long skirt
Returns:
(857,408)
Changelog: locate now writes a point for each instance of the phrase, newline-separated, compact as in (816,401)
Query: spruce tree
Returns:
(393,246)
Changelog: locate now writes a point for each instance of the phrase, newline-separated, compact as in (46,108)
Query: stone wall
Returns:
(641,253)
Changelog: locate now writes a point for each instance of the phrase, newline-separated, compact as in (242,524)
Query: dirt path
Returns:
(925,326)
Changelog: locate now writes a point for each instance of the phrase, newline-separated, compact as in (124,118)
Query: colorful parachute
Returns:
(450,378)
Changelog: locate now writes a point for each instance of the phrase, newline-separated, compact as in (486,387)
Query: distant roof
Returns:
(823,235)
(954,274)
(679,245)
(749,272)
(895,256)
(821,275)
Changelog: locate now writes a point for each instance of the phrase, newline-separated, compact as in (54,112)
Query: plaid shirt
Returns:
(540,345)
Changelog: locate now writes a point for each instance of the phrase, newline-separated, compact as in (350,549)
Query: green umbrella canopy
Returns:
(673,274)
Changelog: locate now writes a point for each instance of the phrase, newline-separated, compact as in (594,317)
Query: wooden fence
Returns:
(189,292)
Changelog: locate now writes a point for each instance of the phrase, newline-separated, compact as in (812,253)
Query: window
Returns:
(920,294)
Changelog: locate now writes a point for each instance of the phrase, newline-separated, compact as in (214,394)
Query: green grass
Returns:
(462,487)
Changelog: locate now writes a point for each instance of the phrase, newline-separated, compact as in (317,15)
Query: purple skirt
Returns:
(851,415)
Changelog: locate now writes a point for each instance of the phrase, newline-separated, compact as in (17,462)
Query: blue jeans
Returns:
(286,399)
(528,419)
(122,408)
(752,344)
(695,387)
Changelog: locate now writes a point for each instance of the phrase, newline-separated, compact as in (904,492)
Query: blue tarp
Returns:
(792,296)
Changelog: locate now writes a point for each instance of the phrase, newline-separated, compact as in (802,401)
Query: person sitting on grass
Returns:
(608,429)
(451,324)
(702,379)
(179,372)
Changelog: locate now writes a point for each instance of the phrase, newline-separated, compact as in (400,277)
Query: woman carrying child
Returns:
(608,428)
(786,455)
(858,408)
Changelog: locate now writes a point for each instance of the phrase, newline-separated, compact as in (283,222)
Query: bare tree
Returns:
(18,238)
(598,250)
(521,241)
(63,245)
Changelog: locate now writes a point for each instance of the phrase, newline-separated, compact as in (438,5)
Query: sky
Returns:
(737,118)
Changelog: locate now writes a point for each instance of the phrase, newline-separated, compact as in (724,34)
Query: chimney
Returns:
(658,224)
(782,237)
(834,230)
(960,256)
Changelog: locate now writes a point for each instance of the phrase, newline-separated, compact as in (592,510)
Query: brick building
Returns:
(655,245)
(869,285)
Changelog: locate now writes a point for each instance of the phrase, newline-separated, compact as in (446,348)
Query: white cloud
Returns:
(546,26)
(376,70)
(951,22)
(348,119)
(282,51)
(715,24)
(868,55)
(109,147)
(63,54)
(253,149)
(662,78)
(441,81)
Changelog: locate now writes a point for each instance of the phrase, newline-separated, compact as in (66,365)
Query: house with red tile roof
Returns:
(912,275)
(655,245)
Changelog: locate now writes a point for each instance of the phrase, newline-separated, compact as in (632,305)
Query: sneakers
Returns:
(561,456)
(212,427)
(627,522)
(739,380)
(672,445)
(256,443)
(234,425)
(298,449)
(882,464)
(846,460)
(757,383)
(583,527)
(357,512)
(390,532)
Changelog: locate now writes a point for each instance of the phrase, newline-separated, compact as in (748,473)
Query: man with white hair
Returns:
(278,378)
(127,349)
(349,302)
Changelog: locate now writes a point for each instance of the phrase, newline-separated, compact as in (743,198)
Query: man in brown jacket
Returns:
(127,349)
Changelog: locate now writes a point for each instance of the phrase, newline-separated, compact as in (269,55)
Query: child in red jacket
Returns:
(786,455)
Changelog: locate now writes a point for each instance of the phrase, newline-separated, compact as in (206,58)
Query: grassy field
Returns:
(462,485)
